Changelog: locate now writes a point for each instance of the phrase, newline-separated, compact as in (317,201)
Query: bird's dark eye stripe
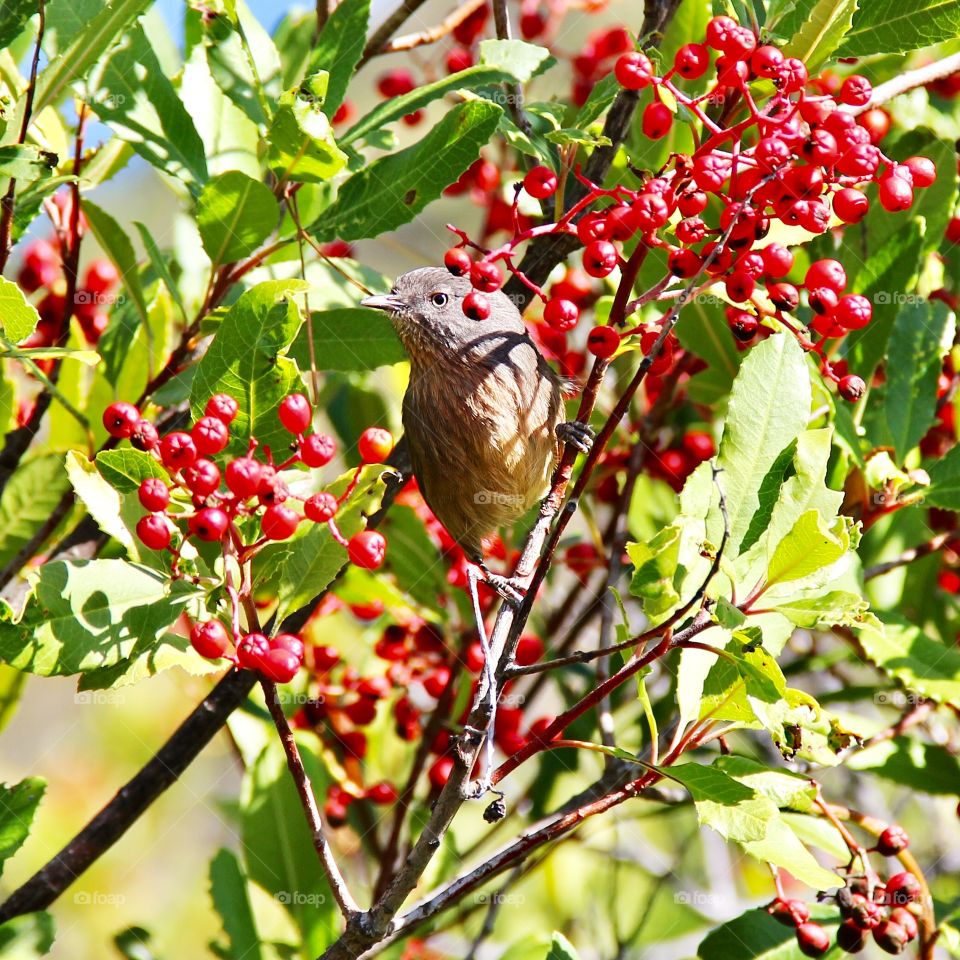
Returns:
(439,298)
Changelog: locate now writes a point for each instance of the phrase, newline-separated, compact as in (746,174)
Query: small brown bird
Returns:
(483,412)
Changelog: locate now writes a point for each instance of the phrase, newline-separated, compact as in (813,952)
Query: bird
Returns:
(483,412)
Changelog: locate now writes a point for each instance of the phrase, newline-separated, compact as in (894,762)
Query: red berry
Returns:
(902,917)
(784,296)
(145,436)
(826,273)
(382,793)
(895,194)
(209,524)
(791,913)
(324,658)
(223,407)
(486,276)
(101,276)
(121,419)
(853,311)
(657,120)
(793,75)
(457,261)
(902,888)
(251,651)
(649,211)
(436,681)
(603,342)
(600,258)
(740,286)
(395,83)
(211,435)
(633,70)
(154,531)
(719,30)
(154,494)
(890,937)
(243,477)
(684,262)
(540,183)
(953,231)
(529,650)
(856,91)
(476,306)
(289,642)
(210,639)
(892,841)
(850,938)
(177,451)
(280,666)
(743,325)
(279,522)
(691,230)
(692,203)
(851,387)
(767,62)
(692,60)
(823,300)
(320,507)
(202,477)
(295,413)
(440,771)
(777,260)
(375,445)
(367,549)
(561,314)
(317,450)
(923,169)
(812,940)
(850,205)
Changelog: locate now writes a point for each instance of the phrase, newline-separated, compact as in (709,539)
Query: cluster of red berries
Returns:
(204,500)
(888,912)
(802,159)
(41,273)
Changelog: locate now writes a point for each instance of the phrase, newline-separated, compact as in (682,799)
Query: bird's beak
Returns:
(386,301)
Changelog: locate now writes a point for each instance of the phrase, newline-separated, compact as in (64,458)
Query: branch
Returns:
(908,556)
(421,38)
(910,81)
(514,91)
(348,906)
(387,29)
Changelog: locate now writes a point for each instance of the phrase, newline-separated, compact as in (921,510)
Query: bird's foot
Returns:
(577,434)
(511,590)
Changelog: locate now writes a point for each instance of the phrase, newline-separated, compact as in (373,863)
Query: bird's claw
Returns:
(577,434)
(510,590)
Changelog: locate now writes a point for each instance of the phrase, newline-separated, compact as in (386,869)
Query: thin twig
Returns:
(387,29)
(908,556)
(910,81)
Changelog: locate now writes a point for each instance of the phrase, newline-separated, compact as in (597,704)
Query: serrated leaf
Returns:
(655,567)
(391,191)
(125,469)
(888,26)
(131,93)
(231,899)
(338,49)
(18,805)
(247,359)
(235,214)
(29,496)
(14,15)
(905,653)
(18,318)
(25,162)
(922,334)
(769,406)
(85,615)
(910,762)
(102,501)
(786,789)
(837,608)
(349,338)
(810,546)
(944,489)
(821,32)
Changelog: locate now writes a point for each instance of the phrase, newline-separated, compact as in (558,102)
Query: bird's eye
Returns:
(439,299)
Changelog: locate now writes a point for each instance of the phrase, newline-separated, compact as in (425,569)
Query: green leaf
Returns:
(235,214)
(18,317)
(703,330)
(561,949)
(159,263)
(87,47)
(102,501)
(299,568)
(769,406)
(11,687)
(89,614)
(944,489)
(655,570)
(888,26)
(809,547)
(391,191)
(911,763)
(14,15)
(920,663)
(18,805)
(922,335)
(132,95)
(338,49)
(25,162)
(116,244)
(29,497)
(349,338)
(414,558)
(300,142)
(786,789)
(247,360)
(889,270)
(231,899)
(837,608)
(820,32)
(500,60)
(935,203)
(708,783)
(126,469)
(27,937)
